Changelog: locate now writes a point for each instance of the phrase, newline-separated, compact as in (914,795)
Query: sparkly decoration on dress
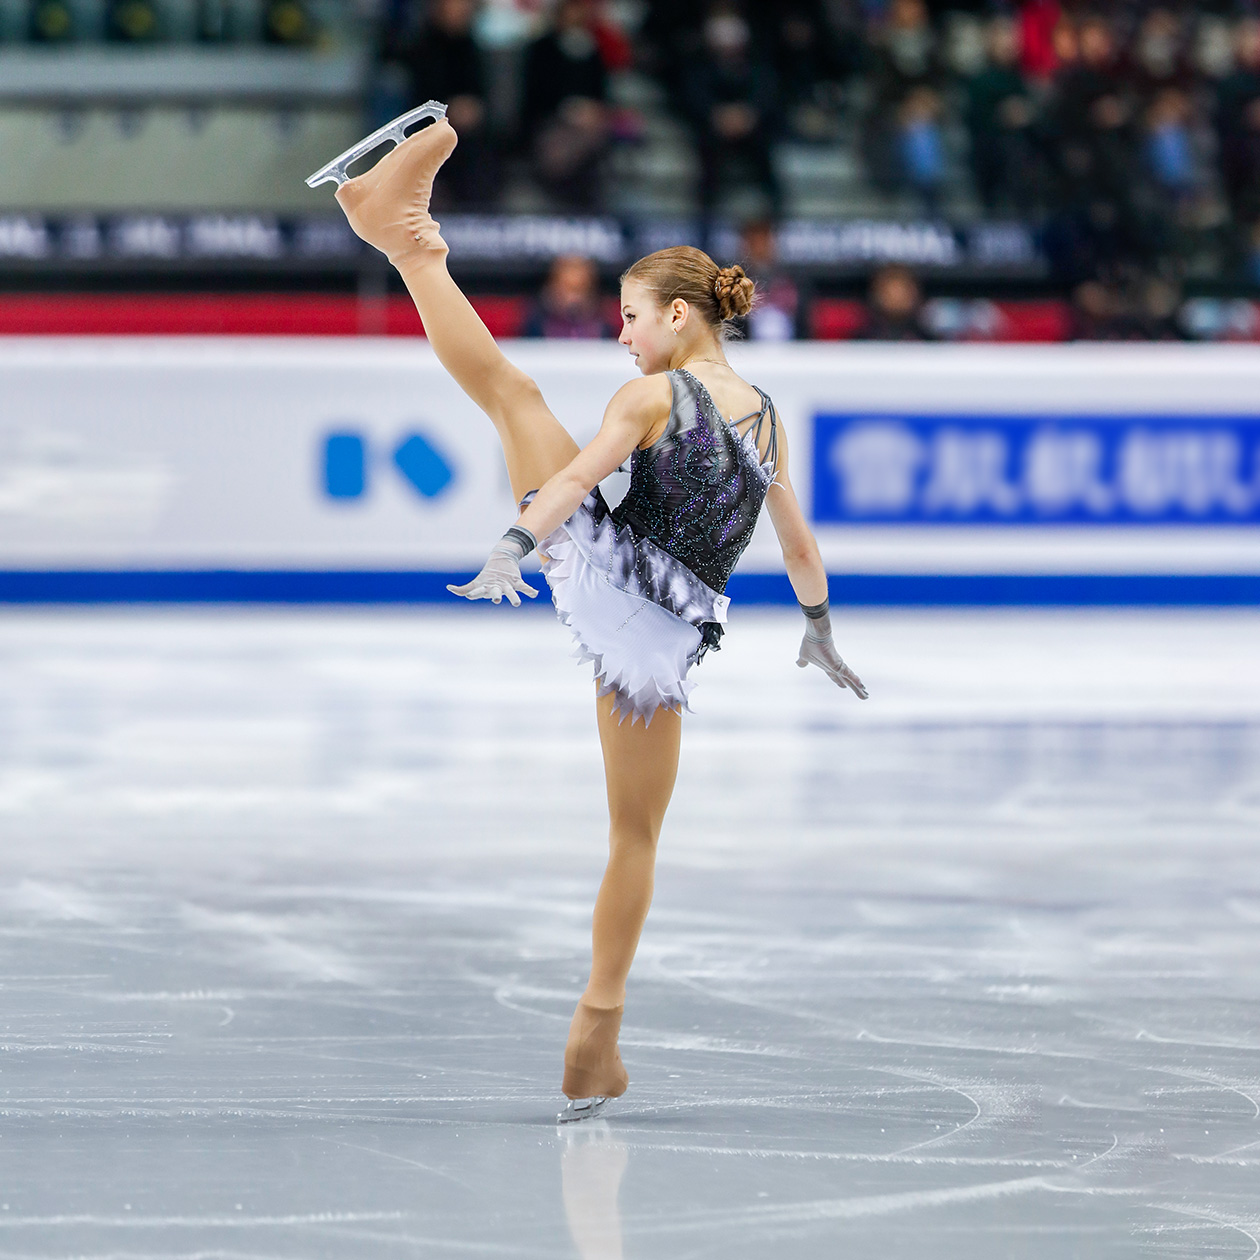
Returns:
(641,586)
(697,491)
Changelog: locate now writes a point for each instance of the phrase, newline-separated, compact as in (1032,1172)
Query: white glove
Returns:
(500,576)
(818,649)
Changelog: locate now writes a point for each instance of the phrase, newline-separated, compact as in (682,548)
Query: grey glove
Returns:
(500,576)
(818,649)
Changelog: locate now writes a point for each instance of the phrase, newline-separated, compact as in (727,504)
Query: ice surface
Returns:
(969,970)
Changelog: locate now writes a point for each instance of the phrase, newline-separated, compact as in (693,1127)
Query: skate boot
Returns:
(388,206)
(593,1071)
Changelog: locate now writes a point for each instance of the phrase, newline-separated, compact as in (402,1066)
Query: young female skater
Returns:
(640,586)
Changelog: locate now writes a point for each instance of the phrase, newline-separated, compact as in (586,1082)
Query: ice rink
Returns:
(295,908)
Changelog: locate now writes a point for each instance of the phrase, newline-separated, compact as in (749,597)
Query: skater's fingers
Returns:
(513,598)
(855,684)
(471,590)
(525,589)
(802,663)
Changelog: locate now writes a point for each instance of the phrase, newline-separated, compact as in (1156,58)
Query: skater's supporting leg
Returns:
(640,766)
(388,206)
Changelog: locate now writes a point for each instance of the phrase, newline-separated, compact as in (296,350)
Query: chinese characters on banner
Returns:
(1157,470)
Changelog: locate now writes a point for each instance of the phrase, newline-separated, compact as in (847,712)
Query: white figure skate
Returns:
(582,1109)
(338,169)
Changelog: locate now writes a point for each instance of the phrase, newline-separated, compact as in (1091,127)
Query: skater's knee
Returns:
(633,833)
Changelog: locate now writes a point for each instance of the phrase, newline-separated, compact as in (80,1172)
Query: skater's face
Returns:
(648,330)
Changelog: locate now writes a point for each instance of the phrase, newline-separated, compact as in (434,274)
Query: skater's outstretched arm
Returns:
(808,576)
(637,410)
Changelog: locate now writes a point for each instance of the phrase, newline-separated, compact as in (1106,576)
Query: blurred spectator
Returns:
(1170,154)
(1157,304)
(1238,124)
(51,21)
(1138,308)
(616,49)
(444,63)
(1001,115)
(809,65)
(1039,23)
(906,55)
(570,304)
(729,92)
(1098,313)
(902,134)
(565,106)
(1097,160)
(776,316)
(894,307)
(131,21)
(921,146)
(1159,58)
(1093,78)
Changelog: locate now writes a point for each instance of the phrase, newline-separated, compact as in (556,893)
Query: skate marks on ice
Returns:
(282,975)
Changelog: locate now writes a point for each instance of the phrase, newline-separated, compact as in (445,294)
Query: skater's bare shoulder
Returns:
(642,406)
(636,410)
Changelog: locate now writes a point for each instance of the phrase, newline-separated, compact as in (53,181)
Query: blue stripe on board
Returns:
(377,587)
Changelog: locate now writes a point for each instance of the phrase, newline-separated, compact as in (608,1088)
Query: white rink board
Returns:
(207,453)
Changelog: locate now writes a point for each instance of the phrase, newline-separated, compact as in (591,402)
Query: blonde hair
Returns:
(717,294)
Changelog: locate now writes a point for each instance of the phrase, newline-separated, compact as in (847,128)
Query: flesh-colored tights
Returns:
(389,207)
(640,762)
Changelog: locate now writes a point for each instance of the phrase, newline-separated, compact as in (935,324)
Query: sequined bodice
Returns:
(697,491)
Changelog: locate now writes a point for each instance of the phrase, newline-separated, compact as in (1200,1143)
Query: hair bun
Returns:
(734,292)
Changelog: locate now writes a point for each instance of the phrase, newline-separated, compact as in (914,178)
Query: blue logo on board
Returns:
(989,470)
(347,465)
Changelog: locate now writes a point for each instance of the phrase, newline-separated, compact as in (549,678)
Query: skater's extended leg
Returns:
(389,207)
(640,766)
(535,444)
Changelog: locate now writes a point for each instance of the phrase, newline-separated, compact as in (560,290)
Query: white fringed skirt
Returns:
(635,612)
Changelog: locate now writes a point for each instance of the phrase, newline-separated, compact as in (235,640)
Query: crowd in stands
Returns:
(1127,133)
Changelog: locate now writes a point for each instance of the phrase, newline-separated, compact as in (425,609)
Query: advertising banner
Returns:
(1136,470)
(356,469)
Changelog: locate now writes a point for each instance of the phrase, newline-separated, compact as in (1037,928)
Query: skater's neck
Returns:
(702,350)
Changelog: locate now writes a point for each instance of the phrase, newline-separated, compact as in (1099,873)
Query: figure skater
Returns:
(639,586)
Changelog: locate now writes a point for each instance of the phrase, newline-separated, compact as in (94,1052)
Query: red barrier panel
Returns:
(206,314)
(1034,321)
(839,319)
(347,315)
(835,319)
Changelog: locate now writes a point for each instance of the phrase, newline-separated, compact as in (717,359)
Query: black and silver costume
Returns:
(641,585)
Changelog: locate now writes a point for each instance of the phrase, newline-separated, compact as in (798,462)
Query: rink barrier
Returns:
(426,587)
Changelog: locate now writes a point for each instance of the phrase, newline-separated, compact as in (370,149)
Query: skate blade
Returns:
(338,169)
(582,1109)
